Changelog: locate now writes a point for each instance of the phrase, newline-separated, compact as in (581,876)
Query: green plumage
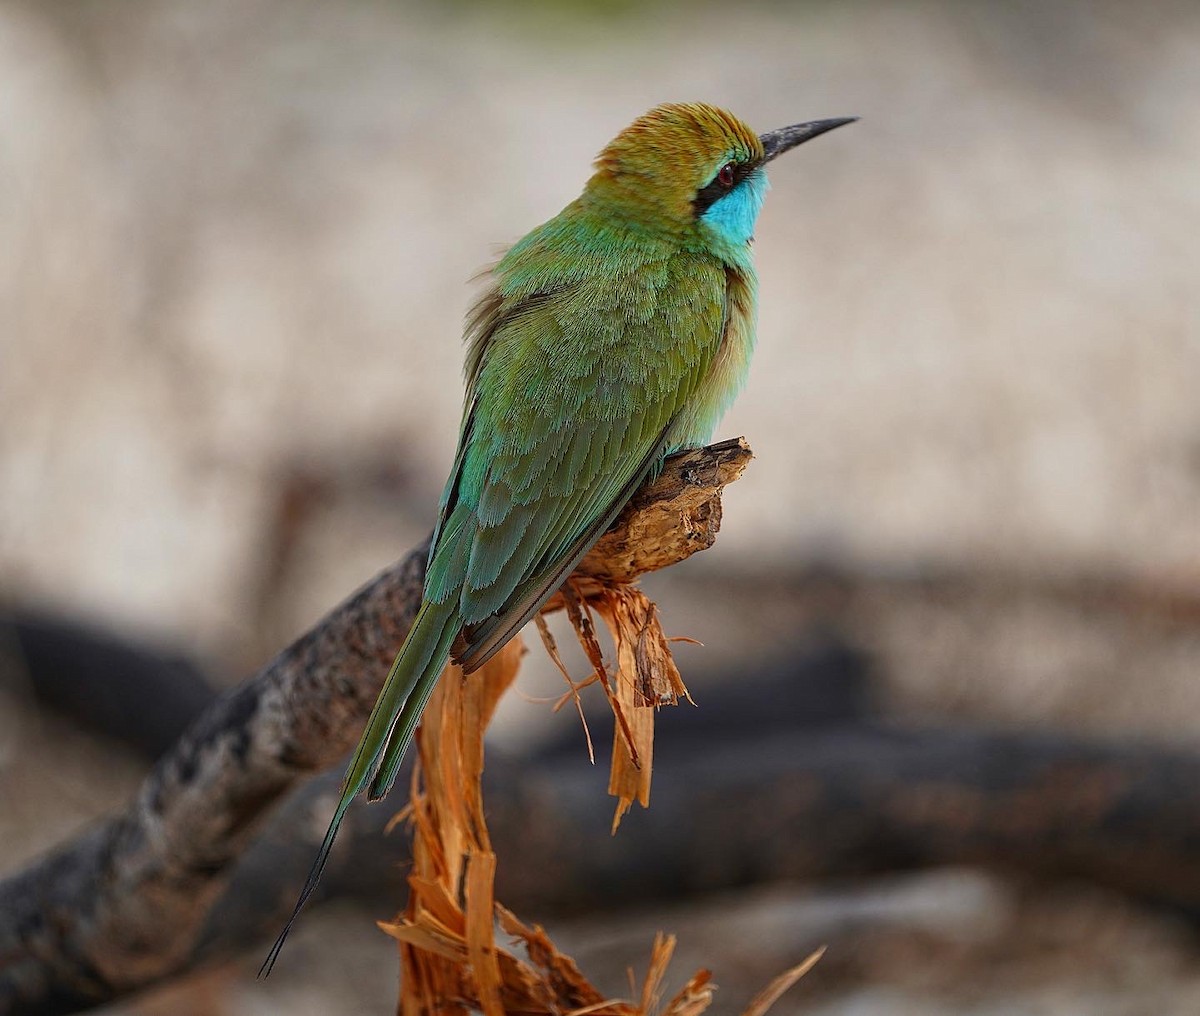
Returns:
(613,334)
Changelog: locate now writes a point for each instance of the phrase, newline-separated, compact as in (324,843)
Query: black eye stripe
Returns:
(715,190)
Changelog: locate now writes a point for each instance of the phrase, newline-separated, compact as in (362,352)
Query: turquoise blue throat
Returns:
(733,216)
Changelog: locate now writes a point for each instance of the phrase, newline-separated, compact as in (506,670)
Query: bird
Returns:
(610,336)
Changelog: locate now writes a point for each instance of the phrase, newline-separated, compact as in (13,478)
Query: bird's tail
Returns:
(390,728)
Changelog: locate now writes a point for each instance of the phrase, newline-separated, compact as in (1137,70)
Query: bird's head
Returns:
(687,165)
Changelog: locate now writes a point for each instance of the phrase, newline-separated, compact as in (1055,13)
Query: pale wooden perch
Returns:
(121,907)
(669,519)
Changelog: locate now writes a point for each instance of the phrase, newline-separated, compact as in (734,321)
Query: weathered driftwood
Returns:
(123,906)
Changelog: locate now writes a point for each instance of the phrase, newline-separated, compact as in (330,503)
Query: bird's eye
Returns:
(725,175)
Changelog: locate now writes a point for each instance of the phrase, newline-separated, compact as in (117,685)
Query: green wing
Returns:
(570,406)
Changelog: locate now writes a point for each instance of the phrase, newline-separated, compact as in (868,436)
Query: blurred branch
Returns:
(149,697)
(771,801)
(747,792)
(123,906)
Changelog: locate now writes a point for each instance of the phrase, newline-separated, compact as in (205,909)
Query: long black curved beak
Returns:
(777,142)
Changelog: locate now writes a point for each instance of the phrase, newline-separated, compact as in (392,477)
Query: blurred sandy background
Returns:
(237,239)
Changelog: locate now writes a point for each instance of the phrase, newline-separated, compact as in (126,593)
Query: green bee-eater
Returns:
(612,335)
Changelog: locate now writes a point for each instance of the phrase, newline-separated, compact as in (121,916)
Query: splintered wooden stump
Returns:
(450,960)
